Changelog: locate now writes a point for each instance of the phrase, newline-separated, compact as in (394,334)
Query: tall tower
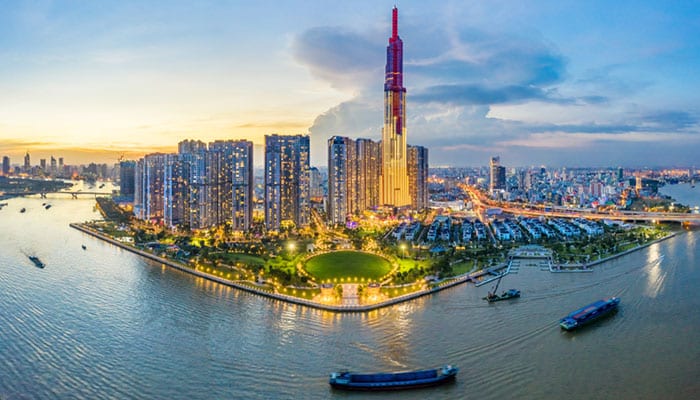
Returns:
(394,175)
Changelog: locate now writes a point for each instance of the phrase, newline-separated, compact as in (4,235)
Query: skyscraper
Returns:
(498,175)
(418,176)
(6,166)
(316,189)
(231,183)
(286,181)
(394,187)
(126,177)
(341,173)
(368,155)
(27,163)
(150,184)
(174,192)
(193,155)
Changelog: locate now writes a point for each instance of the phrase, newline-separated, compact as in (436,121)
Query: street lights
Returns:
(403,249)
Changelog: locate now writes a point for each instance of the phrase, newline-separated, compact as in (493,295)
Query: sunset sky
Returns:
(579,83)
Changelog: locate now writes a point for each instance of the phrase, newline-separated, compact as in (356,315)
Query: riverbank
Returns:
(641,246)
(447,283)
(278,296)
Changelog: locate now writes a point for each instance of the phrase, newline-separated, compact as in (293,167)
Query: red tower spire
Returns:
(395,22)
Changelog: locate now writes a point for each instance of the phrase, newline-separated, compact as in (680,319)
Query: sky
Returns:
(556,83)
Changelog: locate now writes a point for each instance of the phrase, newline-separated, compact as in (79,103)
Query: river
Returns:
(102,323)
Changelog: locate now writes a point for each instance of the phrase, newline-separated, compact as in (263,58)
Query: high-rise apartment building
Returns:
(231,183)
(150,177)
(174,192)
(342,173)
(316,189)
(127,169)
(193,155)
(418,176)
(6,166)
(286,181)
(369,166)
(394,183)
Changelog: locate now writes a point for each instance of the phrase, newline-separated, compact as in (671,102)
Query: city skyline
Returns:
(547,83)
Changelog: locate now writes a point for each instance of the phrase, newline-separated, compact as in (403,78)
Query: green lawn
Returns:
(344,264)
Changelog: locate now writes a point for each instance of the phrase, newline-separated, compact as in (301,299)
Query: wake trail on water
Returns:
(378,354)
(507,342)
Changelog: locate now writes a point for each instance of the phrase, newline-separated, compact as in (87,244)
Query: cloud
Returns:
(356,118)
(344,58)
(478,94)
(456,72)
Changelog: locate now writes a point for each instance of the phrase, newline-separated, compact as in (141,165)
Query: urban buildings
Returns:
(353,177)
(199,187)
(394,181)
(210,186)
(149,181)
(418,176)
(498,175)
(127,169)
(368,154)
(341,172)
(6,166)
(287,181)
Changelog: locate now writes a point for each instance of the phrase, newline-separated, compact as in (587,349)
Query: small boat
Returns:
(393,380)
(23,210)
(47,206)
(84,247)
(508,294)
(589,313)
(37,261)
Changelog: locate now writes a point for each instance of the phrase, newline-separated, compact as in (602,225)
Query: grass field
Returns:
(344,264)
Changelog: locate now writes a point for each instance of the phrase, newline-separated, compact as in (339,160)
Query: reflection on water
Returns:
(655,274)
(104,323)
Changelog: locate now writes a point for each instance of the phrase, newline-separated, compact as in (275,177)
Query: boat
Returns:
(508,294)
(393,380)
(84,247)
(589,313)
(23,210)
(37,261)
(47,206)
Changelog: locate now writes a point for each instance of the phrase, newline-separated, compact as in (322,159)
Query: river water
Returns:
(103,323)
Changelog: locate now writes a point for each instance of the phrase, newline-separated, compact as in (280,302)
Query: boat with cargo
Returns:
(589,313)
(37,261)
(393,380)
(508,294)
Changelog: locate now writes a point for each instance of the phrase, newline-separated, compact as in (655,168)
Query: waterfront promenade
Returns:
(474,277)
(450,282)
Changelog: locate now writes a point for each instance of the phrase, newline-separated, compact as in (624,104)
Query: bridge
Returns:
(74,194)
(481,202)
